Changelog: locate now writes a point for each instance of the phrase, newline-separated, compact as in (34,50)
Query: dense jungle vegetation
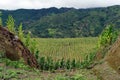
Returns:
(65,22)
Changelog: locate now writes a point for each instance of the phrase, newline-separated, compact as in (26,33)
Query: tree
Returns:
(52,32)
(11,24)
(20,33)
(28,39)
(108,36)
(0,19)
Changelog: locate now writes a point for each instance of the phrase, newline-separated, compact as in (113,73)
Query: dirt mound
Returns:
(113,56)
(108,67)
(105,72)
(15,49)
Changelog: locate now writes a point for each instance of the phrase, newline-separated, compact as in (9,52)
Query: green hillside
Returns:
(66,22)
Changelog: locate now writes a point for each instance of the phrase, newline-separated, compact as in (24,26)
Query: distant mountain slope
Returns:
(28,15)
(66,22)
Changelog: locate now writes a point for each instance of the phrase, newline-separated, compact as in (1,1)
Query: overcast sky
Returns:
(38,4)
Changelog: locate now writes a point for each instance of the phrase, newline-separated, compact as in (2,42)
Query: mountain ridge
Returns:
(65,22)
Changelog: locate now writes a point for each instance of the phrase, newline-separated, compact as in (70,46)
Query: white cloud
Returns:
(37,4)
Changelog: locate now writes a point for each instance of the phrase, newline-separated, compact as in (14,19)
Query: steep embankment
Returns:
(109,67)
(14,49)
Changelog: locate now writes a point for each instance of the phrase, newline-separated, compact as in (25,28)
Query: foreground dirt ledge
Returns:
(109,67)
(105,72)
(14,48)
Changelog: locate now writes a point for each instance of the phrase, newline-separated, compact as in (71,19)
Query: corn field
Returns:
(67,48)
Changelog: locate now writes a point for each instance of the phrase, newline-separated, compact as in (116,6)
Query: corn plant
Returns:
(41,62)
(57,65)
(78,64)
(28,39)
(36,54)
(20,33)
(68,65)
(62,63)
(1,21)
(108,36)
(11,24)
(73,64)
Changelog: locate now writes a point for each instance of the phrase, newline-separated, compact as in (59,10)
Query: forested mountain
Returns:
(65,22)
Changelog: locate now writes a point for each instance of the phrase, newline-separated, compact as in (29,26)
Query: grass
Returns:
(8,72)
(20,74)
(67,48)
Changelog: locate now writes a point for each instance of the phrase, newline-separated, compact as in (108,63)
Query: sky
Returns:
(38,4)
